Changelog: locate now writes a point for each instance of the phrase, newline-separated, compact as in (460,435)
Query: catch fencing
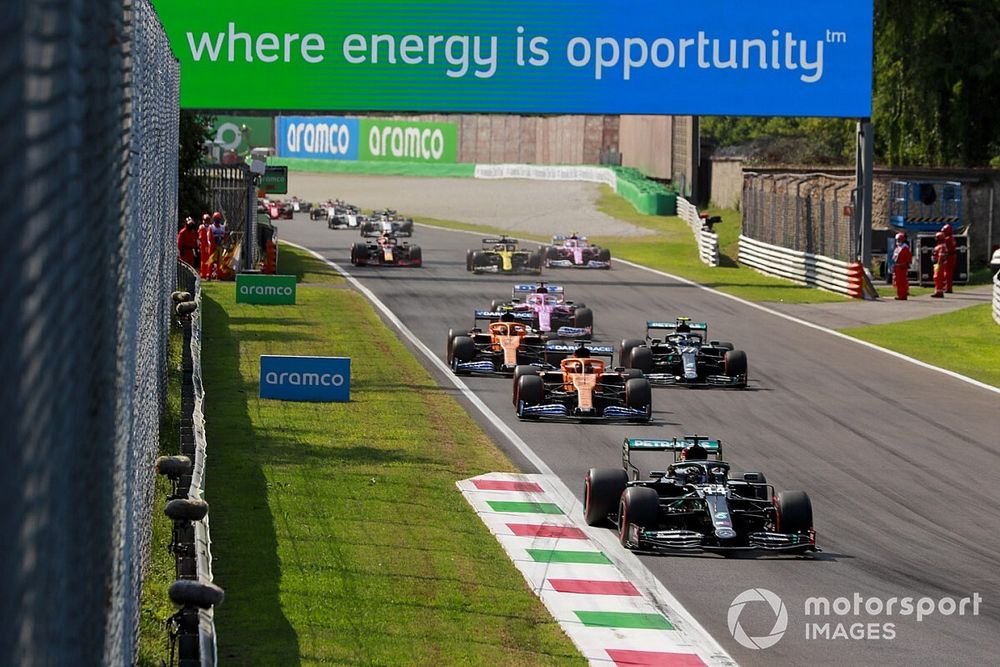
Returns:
(708,240)
(89,95)
(800,227)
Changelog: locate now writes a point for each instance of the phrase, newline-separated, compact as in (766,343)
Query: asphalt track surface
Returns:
(901,461)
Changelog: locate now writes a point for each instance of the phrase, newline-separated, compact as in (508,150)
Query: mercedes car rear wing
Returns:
(713,448)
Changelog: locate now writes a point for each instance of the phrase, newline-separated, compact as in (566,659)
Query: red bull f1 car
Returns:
(386,251)
(684,356)
(503,255)
(575,252)
(582,388)
(696,503)
(550,310)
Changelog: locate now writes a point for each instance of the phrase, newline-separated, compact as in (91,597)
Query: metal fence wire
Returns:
(805,212)
(89,94)
(231,191)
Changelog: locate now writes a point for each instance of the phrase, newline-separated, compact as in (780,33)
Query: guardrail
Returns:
(996,298)
(548,173)
(708,241)
(192,628)
(800,267)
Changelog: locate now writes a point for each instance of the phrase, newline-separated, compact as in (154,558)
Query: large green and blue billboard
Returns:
(770,57)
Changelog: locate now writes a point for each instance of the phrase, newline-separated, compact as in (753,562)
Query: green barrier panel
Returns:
(376,168)
(648,197)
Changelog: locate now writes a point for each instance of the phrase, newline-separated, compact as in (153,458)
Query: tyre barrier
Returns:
(803,268)
(192,628)
(996,298)
(708,240)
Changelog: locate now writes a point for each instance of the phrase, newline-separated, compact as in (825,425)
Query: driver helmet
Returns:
(582,353)
(694,453)
(683,328)
(507,317)
(901,237)
(542,289)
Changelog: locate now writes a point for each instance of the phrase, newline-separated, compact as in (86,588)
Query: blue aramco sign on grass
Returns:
(323,379)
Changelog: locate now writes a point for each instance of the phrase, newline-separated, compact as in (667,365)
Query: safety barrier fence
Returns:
(800,267)
(996,298)
(708,240)
(192,628)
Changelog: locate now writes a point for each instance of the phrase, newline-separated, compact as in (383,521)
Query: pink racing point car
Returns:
(551,311)
(575,252)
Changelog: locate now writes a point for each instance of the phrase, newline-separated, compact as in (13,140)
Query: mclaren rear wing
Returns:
(713,448)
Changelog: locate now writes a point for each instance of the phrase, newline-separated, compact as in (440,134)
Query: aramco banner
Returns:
(715,57)
(406,141)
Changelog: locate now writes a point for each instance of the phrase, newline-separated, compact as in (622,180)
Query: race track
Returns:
(901,462)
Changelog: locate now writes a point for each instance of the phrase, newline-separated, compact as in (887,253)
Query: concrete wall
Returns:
(727,182)
(500,138)
(646,143)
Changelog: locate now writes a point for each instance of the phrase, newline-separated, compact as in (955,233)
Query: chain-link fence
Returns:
(806,212)
(231,191)
(89,97)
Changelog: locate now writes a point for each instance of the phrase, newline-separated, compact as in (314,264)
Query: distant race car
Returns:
(299,206)
(550,310)
(502,255)
(582,388)
(318,210)
(685,356)
(575,252)
(387,220)
(508,342)
(696,503)
(279,210)
(387,250)
(343,216)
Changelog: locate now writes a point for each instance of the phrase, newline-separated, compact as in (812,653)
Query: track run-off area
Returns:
(901,461)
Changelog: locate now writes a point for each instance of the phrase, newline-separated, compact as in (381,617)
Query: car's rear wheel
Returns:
(604,256)
(625,350)
(535,262)
(359,254)
(639,505)
(528,391)
(583,317)
(416,256)
(602,490)
(639,396)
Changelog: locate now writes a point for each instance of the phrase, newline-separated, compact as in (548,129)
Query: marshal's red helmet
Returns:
(216,216)
(205,217)
(946,230)
(901,237)
(939,236)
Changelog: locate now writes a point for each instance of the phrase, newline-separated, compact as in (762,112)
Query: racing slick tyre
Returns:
(641,358)
(795,513)
(528,391)
(359,254)
(416,256)
(625,350)
(629,373)
(605,256)
(736,366)
(602,490)
(480,260)
(462,349)
(639,505)
(535,262)
(315,214)
(639,396)
(523,369)
(468,259)
(583,317)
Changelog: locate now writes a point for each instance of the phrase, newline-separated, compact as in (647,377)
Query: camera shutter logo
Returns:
(780,618)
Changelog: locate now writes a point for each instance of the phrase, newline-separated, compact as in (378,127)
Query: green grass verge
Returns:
(337,530)
(966,341)
(154,605)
